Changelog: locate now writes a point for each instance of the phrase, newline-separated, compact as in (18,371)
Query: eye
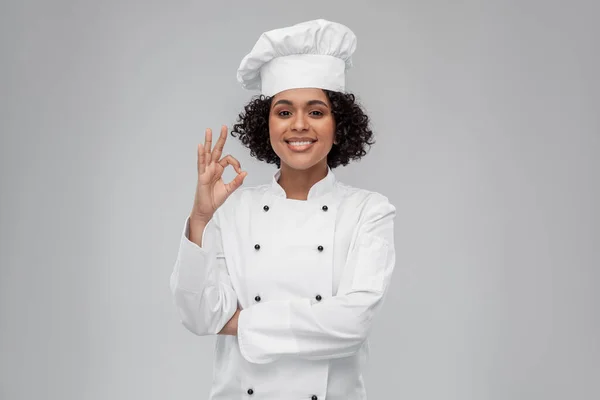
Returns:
(283,113)
(317,113)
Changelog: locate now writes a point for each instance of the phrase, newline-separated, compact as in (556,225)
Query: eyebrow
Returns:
(308,103)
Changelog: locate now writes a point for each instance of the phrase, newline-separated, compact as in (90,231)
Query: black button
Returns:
(320,248)
(325,208)
(257,246)
(250,391)
(266,208)
(318,297)
(257,298)
(314,397)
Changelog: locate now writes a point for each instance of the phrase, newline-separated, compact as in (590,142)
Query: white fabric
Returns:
(307,334)
(313,54)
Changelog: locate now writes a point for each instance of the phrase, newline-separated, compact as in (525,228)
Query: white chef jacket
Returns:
(308,275)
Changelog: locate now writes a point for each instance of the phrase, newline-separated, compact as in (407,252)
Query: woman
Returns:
(288,274)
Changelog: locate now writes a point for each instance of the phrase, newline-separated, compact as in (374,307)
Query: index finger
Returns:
(218,150)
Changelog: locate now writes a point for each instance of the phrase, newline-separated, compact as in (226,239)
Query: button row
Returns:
(313,397)
(324,208)
(257,247)
(257,298)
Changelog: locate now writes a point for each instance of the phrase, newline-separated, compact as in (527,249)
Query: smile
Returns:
(300,146)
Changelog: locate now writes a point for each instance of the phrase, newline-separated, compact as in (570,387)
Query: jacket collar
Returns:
(319,189)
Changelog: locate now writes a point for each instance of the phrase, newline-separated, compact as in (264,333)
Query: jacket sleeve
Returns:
(337,326)
(200,283)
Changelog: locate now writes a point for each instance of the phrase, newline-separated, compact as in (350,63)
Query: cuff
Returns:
(193,261)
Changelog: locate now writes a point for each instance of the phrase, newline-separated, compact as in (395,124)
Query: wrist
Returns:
(196,219)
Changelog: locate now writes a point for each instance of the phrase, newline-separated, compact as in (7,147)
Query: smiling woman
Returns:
(289,274)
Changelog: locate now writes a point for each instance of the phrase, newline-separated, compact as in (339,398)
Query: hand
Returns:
(211,191)
(231,327)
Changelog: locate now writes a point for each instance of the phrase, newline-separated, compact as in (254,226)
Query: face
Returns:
(301,128)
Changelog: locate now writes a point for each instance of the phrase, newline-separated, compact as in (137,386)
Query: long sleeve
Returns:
(200,283)
(337,326)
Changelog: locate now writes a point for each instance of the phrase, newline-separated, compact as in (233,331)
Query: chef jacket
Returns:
(308,276)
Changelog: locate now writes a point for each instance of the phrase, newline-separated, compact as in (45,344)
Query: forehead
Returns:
(301,95)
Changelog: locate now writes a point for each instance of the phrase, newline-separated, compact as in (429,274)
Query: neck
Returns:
(297,183)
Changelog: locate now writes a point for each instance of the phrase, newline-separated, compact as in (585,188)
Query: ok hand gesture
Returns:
(211,191)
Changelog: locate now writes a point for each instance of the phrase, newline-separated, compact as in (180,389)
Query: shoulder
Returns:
(366,200)
(372,211)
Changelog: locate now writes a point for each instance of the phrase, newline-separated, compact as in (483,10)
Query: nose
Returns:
(299,122)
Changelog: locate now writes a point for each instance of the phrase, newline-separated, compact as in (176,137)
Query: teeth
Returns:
(299,143)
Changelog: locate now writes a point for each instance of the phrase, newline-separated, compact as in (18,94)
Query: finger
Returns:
(230,160)
(218,150)
(201,159)
(236,182)
(208,144)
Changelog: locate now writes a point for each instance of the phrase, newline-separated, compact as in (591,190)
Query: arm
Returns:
(200,283)
(337,326)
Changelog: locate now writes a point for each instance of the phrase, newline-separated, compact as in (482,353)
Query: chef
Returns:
(289,274)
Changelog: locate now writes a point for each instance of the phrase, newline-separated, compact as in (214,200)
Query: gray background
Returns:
(486,117)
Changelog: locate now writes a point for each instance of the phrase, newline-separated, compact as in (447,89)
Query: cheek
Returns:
(328,129)
(274,125)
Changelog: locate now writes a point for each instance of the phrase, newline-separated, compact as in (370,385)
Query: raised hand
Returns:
(211,191)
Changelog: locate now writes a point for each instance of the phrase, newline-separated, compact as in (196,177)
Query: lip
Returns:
(299,139)
(300,149)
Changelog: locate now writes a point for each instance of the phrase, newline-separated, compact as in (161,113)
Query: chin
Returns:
(300,164)
(302,160)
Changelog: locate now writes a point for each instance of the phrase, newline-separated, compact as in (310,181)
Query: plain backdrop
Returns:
(486,116)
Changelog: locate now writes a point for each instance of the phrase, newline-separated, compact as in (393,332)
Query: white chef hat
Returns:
(311,54)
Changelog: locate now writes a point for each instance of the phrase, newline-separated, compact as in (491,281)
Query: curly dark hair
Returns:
(352,131)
